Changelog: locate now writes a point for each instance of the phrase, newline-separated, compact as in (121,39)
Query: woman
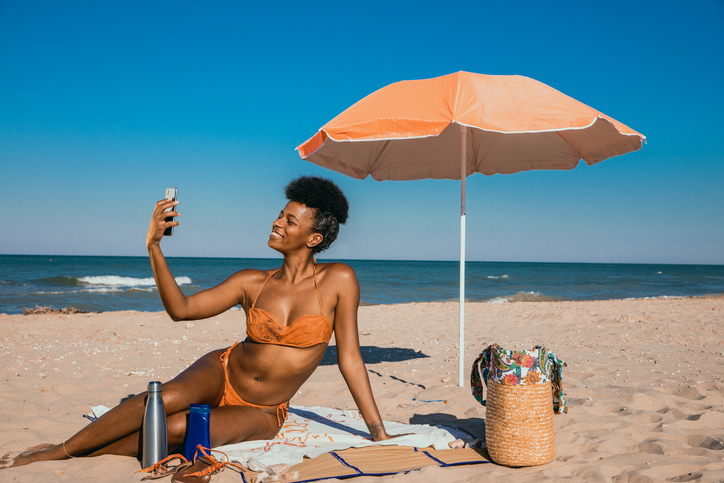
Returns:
(291,313)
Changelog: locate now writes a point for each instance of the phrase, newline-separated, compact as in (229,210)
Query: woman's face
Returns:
(292,230)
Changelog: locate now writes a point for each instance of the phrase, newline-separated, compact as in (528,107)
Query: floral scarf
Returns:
(513,368)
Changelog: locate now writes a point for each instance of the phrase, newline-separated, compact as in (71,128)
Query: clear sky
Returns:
(105,104)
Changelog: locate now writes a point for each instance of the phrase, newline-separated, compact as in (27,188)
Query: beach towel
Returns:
(313,431)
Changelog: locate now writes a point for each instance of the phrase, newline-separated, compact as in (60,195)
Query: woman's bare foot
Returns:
(40,446)
(41,452)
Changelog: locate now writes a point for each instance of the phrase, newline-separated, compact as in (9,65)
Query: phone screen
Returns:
(171,194)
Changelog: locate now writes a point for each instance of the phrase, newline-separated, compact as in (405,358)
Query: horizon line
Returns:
(371,260)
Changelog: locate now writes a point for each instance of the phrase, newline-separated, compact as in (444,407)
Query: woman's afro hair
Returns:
(327,199)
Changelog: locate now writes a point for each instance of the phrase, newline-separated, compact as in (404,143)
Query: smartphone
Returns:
(171,194)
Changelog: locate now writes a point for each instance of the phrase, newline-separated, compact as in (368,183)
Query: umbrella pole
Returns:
(463,175)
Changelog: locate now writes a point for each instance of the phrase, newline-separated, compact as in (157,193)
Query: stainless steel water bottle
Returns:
(155,447)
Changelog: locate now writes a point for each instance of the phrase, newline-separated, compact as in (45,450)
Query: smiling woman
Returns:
(291,313)
(328,202)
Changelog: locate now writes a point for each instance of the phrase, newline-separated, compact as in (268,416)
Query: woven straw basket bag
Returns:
(524,393)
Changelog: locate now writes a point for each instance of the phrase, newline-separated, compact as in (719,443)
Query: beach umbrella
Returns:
(453,126)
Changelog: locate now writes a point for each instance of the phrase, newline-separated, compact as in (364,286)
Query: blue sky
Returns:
(105,104)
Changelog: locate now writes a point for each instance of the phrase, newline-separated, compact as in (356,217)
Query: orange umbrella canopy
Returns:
(407,130)
(452,126)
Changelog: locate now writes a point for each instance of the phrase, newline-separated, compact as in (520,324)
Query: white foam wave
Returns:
(104,290)
(660,297)
(118,281)
(494,277)
(97,290)
(524,297)
(88,290)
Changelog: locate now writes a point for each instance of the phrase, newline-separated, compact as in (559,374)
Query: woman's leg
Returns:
(201,383)
(228,425)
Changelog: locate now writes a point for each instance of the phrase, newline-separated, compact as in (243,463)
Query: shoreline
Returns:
(48,309)
(644,380)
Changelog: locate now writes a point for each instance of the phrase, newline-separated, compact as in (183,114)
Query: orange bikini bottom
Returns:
(231,398)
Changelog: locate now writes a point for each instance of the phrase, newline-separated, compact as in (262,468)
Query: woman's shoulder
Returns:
(248,282)
(334,267)
(252,275)
(339,272)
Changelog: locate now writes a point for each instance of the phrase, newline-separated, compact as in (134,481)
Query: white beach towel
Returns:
(313,431)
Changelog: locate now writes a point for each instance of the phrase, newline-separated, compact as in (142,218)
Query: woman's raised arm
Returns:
(180,307)
(349,357)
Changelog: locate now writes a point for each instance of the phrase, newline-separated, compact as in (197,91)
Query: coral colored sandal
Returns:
(161,469)
(198,471)
(203,467)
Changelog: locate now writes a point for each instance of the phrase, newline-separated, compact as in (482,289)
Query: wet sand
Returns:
(645,381)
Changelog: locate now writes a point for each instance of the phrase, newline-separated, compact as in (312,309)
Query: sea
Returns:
(100,284)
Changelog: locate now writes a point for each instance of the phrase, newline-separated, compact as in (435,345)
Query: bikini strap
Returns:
(282,413)
(262,287)
(225,356)
(316,285)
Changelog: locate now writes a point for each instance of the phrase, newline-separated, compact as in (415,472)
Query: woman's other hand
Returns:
(378,433)
(159,223)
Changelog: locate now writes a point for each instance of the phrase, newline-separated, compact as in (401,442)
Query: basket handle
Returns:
(478,383)
(482,379)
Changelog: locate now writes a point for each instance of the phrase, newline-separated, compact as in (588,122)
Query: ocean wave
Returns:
(59,281)
(99,284)
(88,290)
(103,290)
(118,281)
(526,297)
(662,297)
(493,277)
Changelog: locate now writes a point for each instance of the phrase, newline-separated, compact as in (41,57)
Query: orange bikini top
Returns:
(306,331)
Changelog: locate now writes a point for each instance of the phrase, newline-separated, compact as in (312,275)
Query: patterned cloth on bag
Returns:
(513,368)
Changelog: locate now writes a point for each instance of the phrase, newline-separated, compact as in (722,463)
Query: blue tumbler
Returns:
(197,432)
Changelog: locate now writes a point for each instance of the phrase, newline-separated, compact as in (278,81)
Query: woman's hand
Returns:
(378,433)
(159,223)
(201,305)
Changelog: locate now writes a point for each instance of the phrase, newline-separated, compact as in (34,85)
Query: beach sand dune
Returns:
(644,381)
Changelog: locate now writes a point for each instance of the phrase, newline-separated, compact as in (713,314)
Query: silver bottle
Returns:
(155,447)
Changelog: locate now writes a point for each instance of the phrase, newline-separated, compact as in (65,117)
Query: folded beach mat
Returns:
(379,461)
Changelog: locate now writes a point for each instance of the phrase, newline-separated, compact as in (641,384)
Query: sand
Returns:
(644,381)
